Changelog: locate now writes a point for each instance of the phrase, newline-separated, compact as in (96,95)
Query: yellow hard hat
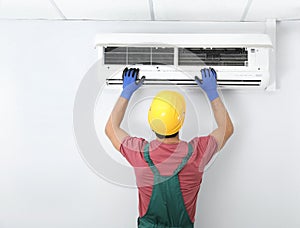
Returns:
(166,113)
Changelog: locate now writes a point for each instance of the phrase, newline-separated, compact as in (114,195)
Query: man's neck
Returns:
(169,140)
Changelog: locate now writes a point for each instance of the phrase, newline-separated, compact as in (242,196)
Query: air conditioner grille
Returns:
(212,56)
(139,55)
(186,56)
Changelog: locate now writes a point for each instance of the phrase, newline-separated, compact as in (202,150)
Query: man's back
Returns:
(167,157)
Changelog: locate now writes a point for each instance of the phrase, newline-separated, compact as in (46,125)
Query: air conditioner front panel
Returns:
(164,75)
(183,40)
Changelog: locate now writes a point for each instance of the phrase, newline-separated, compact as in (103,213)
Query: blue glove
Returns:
(129,82)
(208,83)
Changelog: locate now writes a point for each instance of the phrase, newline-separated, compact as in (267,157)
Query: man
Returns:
(168,195)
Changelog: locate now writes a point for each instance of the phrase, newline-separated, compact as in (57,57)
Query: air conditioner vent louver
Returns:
(189,82)
(138,55)
(212,56)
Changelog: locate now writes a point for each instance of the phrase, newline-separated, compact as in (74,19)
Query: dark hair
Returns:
(166,136)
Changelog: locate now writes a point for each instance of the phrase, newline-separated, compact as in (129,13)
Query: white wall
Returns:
(45,183)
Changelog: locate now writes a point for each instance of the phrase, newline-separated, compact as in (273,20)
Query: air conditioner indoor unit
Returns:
(240,60)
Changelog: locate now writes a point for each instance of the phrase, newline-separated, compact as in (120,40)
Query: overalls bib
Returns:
(166,208)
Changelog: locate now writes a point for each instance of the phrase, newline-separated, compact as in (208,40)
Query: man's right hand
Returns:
(208,83)
(130,84)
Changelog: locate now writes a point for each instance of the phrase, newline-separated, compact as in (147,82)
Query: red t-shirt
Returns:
(167,158)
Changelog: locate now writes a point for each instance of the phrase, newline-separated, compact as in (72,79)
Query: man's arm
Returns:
(225,126)
(112,129)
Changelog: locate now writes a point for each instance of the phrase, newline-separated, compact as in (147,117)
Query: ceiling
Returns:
(187,10)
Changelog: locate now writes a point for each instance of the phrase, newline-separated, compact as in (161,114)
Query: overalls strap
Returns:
(184,160)
(149,161)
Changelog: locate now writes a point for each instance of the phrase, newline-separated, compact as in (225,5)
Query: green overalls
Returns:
(166,208)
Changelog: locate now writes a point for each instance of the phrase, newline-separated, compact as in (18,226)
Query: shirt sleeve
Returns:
(132,149)
(205,147)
